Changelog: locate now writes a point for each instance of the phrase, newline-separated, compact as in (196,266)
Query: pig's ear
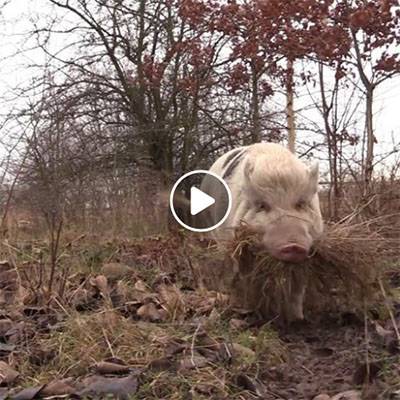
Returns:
(314,175)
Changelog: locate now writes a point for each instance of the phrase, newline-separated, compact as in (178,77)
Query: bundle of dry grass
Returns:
(343,271)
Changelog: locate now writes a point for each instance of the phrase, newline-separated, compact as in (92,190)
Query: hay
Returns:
(343,271)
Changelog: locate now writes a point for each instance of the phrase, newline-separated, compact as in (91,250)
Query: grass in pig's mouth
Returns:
(343,271)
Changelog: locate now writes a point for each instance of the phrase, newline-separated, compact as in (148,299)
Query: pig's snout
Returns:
(292,253)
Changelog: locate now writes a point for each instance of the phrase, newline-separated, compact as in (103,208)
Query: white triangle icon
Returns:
(199,200)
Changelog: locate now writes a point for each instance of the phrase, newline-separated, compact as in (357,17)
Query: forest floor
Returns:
(130,321)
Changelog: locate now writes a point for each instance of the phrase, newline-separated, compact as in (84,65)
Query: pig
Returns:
(277,194)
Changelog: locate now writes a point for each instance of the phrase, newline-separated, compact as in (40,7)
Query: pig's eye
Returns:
(264,207)
(301,205)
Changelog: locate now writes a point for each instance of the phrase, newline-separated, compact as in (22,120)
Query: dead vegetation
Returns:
(344,270)
(133,319)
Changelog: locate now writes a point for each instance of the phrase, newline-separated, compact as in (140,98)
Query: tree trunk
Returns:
(333,153)
(289,107)
(369,157)
(369,87)
(255,108)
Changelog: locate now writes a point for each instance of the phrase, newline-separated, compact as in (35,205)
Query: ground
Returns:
(132,318)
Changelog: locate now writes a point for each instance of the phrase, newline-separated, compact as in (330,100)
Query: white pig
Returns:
(276,193)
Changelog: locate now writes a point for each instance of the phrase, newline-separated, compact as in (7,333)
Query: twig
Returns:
(5,243)
(193,344)
(108,343)
(366,342)
(307,369)
(61,306)
(393,320)
(69,244)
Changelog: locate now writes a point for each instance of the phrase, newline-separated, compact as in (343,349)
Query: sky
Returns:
(17,18)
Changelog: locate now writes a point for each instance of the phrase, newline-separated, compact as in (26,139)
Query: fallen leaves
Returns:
(93,386)
(140,330)
(54,389)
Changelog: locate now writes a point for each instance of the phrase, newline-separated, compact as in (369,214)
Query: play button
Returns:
(200,201)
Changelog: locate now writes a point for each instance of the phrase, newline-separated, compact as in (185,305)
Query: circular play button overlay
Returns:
(200,201)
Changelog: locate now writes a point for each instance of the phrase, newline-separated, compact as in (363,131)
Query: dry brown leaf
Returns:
(81,298)
(250,384)
(172,299)
(381,331)
(324,351)
(121,294)
(149,312)
(211,348)
(101,283)
(192,362)
(5,349)
(17,332)
(58,388)
(9,279)
(121,388)
(238,324)
(28,393)
(201,304)
(109,318)
(41,356)
(348,395)
(174,346)
(5,265)
(141,286)
(7,373)
(243,351)
(162,364)
(4,394)
(5,325)
(115,360)
(204,340)
(106,367)
(114,271)
(3,297)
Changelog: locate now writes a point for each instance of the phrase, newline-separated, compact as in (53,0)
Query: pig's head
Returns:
(283,204)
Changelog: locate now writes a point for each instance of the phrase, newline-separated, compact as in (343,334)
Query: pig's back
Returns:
(229,168)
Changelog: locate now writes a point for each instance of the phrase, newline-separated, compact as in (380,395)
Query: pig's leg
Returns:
(295,299)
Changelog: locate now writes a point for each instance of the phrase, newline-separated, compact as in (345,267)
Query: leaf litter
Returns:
(156,322)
